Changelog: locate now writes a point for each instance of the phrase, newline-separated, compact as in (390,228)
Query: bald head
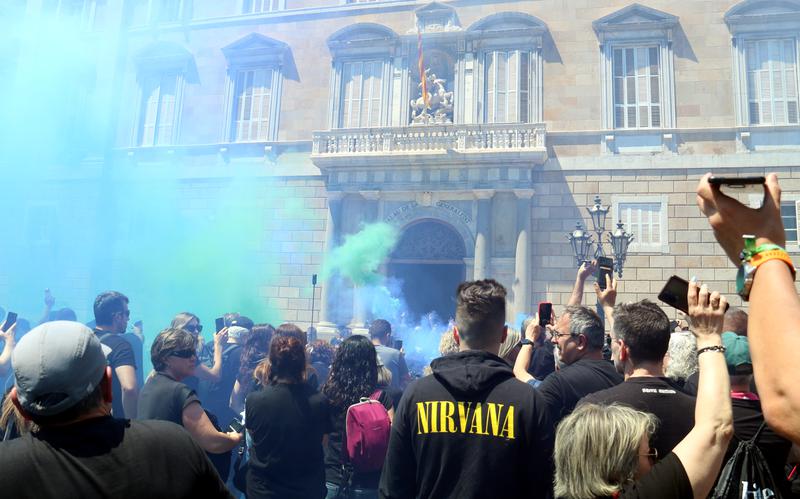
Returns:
(736,321)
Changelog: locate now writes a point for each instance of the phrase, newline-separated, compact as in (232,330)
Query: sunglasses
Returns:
(652,455)
(194,329)
(183,354)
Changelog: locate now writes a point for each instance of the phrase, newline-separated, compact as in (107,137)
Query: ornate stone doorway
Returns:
(429,259)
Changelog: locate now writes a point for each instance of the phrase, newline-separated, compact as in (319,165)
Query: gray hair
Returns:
(585,321)
(682,355)
(512,339)
(611,436)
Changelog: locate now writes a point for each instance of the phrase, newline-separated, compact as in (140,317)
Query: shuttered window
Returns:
(637,87)
(772,81)
(159,99)
(253,105)
(508,83)
(644,221)
(362,87)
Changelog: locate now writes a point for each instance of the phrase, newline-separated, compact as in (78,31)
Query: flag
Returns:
(421,66)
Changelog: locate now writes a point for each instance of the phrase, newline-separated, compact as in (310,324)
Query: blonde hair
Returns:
(447,343)
(611,435)
(9,413)
(512,338)
(384,376)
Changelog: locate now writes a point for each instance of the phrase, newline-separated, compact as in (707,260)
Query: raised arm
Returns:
(8,348)
(213,373)
(586,269)
(607,298)
(535,333)
(702,450)
(774,320)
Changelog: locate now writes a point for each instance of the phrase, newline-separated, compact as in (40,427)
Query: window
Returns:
(771,67)
(159,98)
(646,218)
(254,83)
(252,107)
(256,6)
(362,85)
(636,67)
(637,84)
(789,218)
(166,11)
(508,83)
(81,12)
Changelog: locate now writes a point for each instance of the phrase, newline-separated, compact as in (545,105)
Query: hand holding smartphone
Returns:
(11,319)
(605,267)
(675,294)
(545,313)
(398,344)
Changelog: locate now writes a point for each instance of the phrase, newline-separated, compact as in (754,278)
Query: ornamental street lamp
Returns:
(582,242)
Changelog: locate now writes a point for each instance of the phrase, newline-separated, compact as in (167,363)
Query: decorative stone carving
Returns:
(430,240)
(440,108)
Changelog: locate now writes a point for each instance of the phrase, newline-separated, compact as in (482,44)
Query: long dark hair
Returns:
(255,349)
(354,373)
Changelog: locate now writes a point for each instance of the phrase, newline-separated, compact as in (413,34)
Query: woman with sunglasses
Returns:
(622,463)
(191,323)
(165,397)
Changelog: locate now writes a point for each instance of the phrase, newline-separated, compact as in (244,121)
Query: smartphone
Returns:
(747,190)
(220,323)
(605,267)
(11,319)
(545,313)
(674,293)
(398,344)
(236,425)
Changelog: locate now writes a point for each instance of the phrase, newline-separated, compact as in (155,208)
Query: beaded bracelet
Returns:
(715,348)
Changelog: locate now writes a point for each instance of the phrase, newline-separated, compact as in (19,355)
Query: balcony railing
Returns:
(430,140)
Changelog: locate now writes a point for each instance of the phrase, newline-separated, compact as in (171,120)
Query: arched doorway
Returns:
(429,260)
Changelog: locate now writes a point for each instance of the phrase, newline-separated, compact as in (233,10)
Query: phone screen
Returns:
(747,190)
(220,323)
(545,313)
(236,425)
(11,319)
(605,267)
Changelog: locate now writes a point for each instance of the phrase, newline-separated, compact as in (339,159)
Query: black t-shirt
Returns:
(138,355)
(542,362)
(286,423)
(164,398)
(107,457)
(747,417)
(659,396)
(564,388)
(333,451)
(667,480)
(217,395)
(121,355)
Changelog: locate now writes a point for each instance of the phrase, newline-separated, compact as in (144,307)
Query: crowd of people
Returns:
(570,406)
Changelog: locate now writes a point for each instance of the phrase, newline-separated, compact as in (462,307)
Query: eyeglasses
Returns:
(652,455)
(183,354)
(557,334)
(194,328)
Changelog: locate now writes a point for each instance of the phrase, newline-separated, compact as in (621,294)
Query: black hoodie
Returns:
(469,430)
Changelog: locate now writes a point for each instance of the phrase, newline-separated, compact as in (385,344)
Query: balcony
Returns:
(437,144)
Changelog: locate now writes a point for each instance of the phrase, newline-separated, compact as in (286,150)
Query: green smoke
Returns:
(362,253)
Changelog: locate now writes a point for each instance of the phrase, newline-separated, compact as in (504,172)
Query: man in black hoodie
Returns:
(471,430)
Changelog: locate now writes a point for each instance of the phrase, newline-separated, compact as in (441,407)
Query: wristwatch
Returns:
(526,341)
(752,257)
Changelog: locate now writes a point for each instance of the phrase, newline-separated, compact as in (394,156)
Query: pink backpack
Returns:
(367,428)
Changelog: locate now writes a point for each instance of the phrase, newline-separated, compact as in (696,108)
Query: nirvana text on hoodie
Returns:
(444,416)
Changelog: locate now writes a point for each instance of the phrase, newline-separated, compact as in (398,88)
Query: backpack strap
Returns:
(376,395)
(754,440)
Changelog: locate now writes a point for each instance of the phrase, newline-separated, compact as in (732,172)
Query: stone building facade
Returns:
(537,106)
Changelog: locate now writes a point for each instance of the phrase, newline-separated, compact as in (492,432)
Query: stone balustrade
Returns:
(430,139)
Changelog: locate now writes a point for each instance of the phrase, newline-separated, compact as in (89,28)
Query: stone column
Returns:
(361,305)
(482,234)
(522,276)
(325,327)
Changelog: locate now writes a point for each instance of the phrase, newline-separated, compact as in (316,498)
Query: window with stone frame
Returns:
(361,94)
(254,86)
(158,109)
(252,106)
(258,6)
(646,218)
(637,87)
(507,83)
(771,66)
